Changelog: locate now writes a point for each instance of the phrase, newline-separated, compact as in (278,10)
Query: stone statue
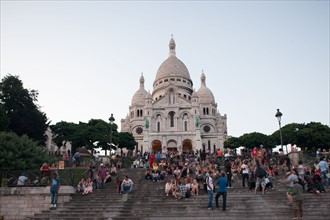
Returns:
(197,121)
(146,121)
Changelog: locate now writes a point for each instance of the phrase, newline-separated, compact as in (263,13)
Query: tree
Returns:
(85,134)
(4,121)
(232,143)
(126,140)
(21,153)
(19,104)
(314,135)
(255,139)
(290,134)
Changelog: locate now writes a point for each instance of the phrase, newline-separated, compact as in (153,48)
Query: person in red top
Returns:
(254,152)
(151,159)
(45,174)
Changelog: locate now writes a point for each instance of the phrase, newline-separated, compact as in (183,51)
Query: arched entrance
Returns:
(156,146)
(186,145)
(171,145)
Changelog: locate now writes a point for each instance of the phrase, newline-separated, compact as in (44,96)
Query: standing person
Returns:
(254,153)
(260,175)
(102,174)
(76,156)
(222,191)
(209,183)
(297,200)
(324,168)
(54,188)
(228,172)
(245,173)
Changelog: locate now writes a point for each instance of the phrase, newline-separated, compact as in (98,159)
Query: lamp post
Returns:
(278,115)
(111,119)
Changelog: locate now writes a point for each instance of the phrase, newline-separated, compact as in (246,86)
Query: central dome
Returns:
(172,66)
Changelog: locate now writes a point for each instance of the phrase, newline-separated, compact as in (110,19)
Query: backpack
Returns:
(260,172)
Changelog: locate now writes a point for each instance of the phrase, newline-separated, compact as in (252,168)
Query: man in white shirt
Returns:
(21,180)
(245,172)
(126,185)
(210,186)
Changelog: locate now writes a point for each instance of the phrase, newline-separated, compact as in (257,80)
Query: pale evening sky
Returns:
(85,57)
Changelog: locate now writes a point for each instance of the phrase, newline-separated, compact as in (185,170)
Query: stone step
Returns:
(147,201)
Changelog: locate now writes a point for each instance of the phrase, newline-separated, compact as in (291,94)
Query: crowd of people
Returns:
(186,174)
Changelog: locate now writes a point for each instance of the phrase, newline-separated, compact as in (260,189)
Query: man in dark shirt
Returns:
(222,191)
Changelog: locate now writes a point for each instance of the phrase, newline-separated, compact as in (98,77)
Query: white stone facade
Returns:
(175,116)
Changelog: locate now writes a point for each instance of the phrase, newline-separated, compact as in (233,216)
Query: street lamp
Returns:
(278,115)
(111,119)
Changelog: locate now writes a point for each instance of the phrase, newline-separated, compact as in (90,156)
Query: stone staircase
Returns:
(147,201)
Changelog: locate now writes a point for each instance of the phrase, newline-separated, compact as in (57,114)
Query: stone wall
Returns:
(21,202)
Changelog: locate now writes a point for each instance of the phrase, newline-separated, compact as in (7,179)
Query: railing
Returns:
(35,177)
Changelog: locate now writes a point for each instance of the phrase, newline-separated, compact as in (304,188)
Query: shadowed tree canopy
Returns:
(21,153)
(96,131)
(307,136)
(4,121)
(126,140)
(23,114)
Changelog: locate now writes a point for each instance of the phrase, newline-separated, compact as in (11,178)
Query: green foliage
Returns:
(86,134)
(232,143)
(19,105)
(21,153)
(4,121)
(126,140)
(307,136)
(314,135)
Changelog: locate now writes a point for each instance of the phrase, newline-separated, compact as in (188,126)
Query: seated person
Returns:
(113,170)
(169,187)
(318,183)
(45,174)
(169,170)
(107,177)
(89,187)
(147,175)
(127,185)
(22,180)
(155,176)
(155,167)
(269,184)
(162,175)
(180,190)
(188,183)
(177,172)
(194,187)
(81,185)
(199,176)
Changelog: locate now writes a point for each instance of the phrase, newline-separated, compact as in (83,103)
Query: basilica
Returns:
(175,116)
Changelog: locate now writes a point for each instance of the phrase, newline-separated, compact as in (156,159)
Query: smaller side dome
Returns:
(205,94)
(149,96)
(139,96)
(194,94)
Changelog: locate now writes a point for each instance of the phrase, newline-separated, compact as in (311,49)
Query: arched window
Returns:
(171,119)
(137,113)
(158,126)
(185,126)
